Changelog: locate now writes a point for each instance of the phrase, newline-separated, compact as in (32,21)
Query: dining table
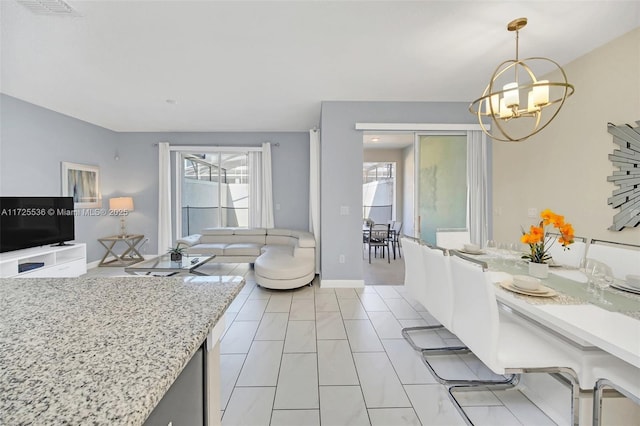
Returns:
(608,319)
(568,305)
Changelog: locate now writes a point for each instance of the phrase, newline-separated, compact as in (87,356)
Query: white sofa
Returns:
(282,258)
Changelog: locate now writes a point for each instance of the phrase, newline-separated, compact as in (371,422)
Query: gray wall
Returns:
(33,143)
(290,165)
(341,156)
(35,140)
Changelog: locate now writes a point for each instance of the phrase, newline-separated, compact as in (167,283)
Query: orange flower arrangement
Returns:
(538,244)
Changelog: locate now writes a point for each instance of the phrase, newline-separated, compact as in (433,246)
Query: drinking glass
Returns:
(599,277)
(504,253)
(586,267)
(515,254)
(602,277)
(514,248)
(490,246)
(503,248)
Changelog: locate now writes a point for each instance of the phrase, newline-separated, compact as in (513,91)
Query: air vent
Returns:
(49,7)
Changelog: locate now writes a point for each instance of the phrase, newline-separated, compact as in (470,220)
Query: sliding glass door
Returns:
(441,183)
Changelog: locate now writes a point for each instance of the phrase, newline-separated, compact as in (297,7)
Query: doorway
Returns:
(384,197)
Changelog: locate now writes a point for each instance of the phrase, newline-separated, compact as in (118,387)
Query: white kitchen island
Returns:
(107,350)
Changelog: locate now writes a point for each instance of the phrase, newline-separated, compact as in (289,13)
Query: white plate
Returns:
(540,290)
(633,281)
(546,291)
(471,252)
(625,287)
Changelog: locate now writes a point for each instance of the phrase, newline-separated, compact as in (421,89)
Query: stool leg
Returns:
(597,403)
(511,382)
(598,393)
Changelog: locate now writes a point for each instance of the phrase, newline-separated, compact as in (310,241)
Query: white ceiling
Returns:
(267,65)
(387,140)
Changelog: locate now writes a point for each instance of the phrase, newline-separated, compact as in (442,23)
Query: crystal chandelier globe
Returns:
(518,103)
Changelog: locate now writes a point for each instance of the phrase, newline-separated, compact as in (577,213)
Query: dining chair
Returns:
(572,255)
(418,283)
(394,238)
(575,237)
(452,238)
(622,258)
(438,298)
(366,227)
(507,344)
(379,237)
(428,281)
(414,275)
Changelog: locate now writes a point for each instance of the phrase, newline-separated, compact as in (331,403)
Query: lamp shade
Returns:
(121,203)
(511,95)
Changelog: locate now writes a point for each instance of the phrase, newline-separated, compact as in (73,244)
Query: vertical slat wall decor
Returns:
(627,177)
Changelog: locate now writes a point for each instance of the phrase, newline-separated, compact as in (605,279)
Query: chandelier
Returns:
(513,119)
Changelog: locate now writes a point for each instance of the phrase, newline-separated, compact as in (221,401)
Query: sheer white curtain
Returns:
(267,188)
(477,180)
(260,188)
(255,171)
(164,197)
(314,190)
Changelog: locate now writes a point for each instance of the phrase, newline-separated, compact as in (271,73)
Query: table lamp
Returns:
(121,205)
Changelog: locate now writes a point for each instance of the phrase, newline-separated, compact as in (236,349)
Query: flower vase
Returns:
(176,257)
(539,270)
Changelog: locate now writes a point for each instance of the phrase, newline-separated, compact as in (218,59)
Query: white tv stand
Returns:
(59,261)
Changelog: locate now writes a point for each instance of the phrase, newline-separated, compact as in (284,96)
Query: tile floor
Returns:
(334,357)
(381,272)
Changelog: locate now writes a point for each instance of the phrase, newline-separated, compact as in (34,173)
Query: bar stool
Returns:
(624,259)
(414,276)
(506,344)
(618,375)
(563,256)
(452,238)
(428,281)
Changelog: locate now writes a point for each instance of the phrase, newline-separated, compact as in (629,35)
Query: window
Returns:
(378,191)
(214,190)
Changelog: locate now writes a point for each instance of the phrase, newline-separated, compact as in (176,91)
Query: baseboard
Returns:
(341,283)
(93,264)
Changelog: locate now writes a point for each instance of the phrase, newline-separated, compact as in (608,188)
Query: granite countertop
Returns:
(100,351)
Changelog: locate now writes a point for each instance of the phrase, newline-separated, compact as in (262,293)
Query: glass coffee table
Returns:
(164,266)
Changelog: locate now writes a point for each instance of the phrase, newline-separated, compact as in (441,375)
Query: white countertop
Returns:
(100,350)
(582,322)
(611,331)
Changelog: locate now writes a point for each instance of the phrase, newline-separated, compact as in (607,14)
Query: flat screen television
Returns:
(35,221)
